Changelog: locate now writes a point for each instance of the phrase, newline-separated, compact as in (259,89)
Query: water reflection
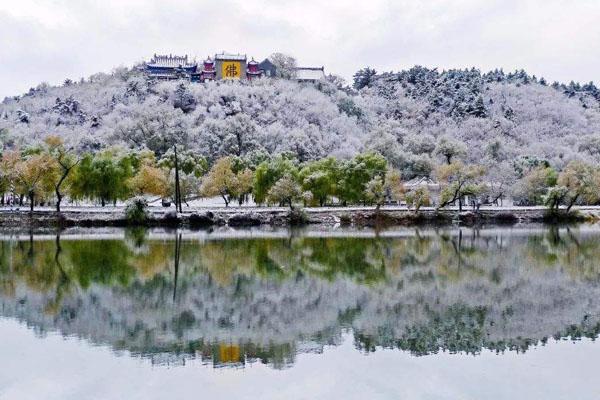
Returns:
(230,301)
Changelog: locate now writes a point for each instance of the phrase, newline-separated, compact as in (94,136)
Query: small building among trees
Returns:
(268,68)
(309,74)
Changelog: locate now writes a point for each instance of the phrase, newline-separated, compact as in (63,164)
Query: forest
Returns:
(490,136)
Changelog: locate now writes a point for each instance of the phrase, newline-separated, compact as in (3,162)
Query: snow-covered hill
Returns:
(499,118)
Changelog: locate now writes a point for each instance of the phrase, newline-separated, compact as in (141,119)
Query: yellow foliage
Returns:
(150,180)
(35,174)
(393,184)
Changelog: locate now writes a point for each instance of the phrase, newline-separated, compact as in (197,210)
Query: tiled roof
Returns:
(310,73)
(235,57)
(170,61)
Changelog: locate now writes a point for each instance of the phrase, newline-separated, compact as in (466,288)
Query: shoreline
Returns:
(280,216)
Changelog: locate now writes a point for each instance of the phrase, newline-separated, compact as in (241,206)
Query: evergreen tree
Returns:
(363,78)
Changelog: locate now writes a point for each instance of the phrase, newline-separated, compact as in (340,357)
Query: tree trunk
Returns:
(572,203)
(58,200)
(59,195)
(177,255)
(177,186)
(103,202)
(31,199)
(459,204)
(225,200)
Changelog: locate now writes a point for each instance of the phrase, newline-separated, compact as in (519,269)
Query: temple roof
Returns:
(309,73)
(170,61)
(226,56)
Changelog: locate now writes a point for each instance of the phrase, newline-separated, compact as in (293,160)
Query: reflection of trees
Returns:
(104,262)
(565,249)
(243,300)
(457,329)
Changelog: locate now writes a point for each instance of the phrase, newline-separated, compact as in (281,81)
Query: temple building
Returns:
(207,73)
(230,66)
(167,67)
(223,66)
(253,71)
(268,68)
(309,74)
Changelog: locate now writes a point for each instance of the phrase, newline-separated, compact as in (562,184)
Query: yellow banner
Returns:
(231,70)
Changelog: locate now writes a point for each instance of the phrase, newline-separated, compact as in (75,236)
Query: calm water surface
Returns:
(495,313)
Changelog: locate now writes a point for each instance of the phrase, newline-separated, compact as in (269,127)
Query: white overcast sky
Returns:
(50,40)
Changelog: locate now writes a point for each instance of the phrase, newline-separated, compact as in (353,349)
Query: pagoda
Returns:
(253,72)
(208,72)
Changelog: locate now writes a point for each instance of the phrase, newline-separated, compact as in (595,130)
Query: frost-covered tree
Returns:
(410,117)
(363,78)
(285,191)
(284,64)
(320,179)
(582,183)
(531,188)
(458,180)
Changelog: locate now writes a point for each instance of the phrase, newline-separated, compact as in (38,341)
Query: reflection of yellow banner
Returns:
(229,353)
(231,70)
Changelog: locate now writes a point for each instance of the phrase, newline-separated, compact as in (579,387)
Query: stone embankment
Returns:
(279,216)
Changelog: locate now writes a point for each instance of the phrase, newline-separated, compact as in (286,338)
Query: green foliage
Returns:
(418,198)
(349,107)
(555,196)
(285,191)
(190,162)
(525,164)
(356,173)
(298,216)
(269,172)
(103,177)
(581,181)
(136,210)
(104,262)
(533,187)
(320,179)
(458,180)
(375,191)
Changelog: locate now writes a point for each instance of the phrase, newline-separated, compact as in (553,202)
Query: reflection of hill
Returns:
(233,301)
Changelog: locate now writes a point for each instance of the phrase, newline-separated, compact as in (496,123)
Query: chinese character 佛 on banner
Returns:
(231,70)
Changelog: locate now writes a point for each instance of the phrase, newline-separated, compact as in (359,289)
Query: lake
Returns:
(316,313)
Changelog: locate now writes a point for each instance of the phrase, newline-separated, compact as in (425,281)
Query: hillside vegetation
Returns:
(416,119)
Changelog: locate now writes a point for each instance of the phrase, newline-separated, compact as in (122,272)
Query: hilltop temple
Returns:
(223,66)
(167,67)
